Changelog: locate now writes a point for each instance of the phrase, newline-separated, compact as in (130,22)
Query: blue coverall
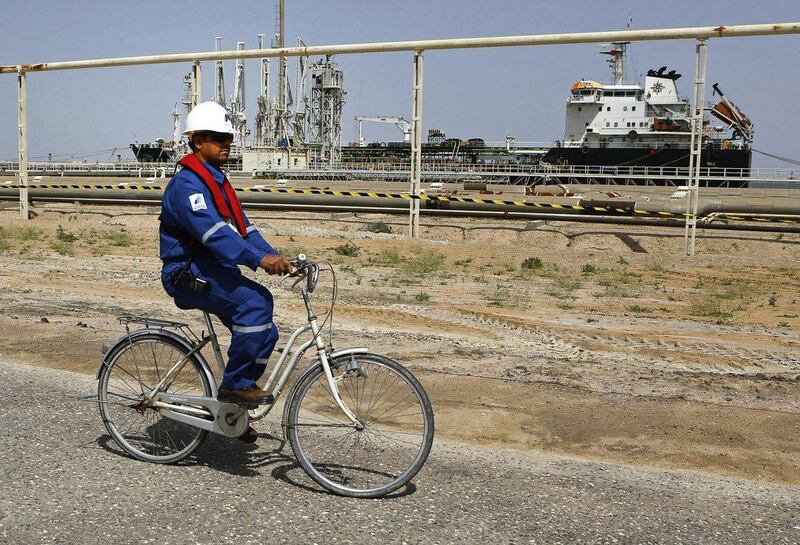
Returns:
(243,306)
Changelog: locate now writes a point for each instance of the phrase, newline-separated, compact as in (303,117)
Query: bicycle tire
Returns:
(141,431)
(318,428)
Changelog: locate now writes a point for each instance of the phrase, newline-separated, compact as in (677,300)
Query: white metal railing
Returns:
(161,170)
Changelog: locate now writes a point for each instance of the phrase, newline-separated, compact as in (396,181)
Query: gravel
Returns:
(63,480)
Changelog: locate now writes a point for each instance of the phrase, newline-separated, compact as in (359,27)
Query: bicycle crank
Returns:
(232,420)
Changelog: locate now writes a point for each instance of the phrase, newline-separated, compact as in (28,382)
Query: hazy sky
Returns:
(471,93)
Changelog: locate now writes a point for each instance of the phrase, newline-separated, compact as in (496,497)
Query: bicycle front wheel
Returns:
(135,368)
(382,454)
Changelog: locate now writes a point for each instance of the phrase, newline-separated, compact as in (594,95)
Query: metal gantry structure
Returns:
(238,103)
(219,75)
(399,121)
(299,113)
(281,134)
(327,97)
(417,47)
(264,116)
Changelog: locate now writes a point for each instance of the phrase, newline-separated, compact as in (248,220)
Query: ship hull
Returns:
(736,161)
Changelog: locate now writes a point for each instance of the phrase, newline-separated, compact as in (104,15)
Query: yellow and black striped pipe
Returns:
(432,201)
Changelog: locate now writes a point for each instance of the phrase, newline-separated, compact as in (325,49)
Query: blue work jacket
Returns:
(188,212)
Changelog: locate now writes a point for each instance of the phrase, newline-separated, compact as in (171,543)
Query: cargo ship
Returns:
(622,124)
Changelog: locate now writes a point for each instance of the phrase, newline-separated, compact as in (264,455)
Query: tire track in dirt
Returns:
(788,360)
(633,362)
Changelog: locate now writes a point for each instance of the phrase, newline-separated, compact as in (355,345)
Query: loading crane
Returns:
(401,123)
(237,103)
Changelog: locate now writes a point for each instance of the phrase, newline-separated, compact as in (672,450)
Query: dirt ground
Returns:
(595,341)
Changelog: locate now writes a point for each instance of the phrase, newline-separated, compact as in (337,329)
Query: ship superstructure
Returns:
(628,124)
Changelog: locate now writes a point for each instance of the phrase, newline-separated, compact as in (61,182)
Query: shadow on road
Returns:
(244,460)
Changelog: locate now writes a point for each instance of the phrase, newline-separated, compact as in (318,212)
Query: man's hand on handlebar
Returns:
(275,264)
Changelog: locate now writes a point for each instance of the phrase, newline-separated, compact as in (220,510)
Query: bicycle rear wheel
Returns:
(397,432)
(139,429)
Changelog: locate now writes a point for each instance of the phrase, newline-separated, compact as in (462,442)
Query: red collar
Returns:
(233,212)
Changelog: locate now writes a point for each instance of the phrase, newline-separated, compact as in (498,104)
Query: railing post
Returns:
(696,145)
(416,147)
(24,207)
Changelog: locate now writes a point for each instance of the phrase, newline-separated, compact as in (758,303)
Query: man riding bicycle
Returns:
(204,237)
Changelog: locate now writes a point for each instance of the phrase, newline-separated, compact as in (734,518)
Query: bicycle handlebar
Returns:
(307,269)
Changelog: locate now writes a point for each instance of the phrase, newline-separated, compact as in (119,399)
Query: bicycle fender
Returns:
(346,351)
(123,340)
(314,364)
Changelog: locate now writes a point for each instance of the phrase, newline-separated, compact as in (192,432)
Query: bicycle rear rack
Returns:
(149,322)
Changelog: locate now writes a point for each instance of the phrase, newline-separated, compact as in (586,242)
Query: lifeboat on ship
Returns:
(665,124)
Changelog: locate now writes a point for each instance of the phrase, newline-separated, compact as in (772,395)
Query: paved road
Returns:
(63,481)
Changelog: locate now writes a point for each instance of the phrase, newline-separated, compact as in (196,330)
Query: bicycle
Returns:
(359,423)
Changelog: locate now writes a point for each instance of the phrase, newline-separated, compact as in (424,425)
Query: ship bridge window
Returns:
(624,108)
(579,108)
(608,124)
(615,123)
(633,108)
(600,109)
(608,108)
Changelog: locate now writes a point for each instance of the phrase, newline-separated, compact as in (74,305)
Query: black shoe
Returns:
(249,436)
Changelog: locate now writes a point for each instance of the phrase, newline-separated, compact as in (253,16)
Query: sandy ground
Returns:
(602,342)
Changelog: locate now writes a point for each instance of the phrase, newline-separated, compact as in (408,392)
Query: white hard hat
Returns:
(208,116)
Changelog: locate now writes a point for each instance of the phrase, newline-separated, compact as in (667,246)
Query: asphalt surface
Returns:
(62,480)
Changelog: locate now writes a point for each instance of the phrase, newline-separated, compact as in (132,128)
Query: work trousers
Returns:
(243,306)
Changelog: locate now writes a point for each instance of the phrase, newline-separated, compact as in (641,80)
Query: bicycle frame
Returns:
(177,406)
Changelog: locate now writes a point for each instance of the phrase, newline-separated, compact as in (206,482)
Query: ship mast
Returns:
(617,61)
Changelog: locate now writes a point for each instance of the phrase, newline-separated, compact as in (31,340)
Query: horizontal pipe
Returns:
(381,206)
(717,206)
(706,32)
(707,206)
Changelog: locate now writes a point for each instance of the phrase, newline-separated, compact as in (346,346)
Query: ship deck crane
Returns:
(401,123)
(727,111)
